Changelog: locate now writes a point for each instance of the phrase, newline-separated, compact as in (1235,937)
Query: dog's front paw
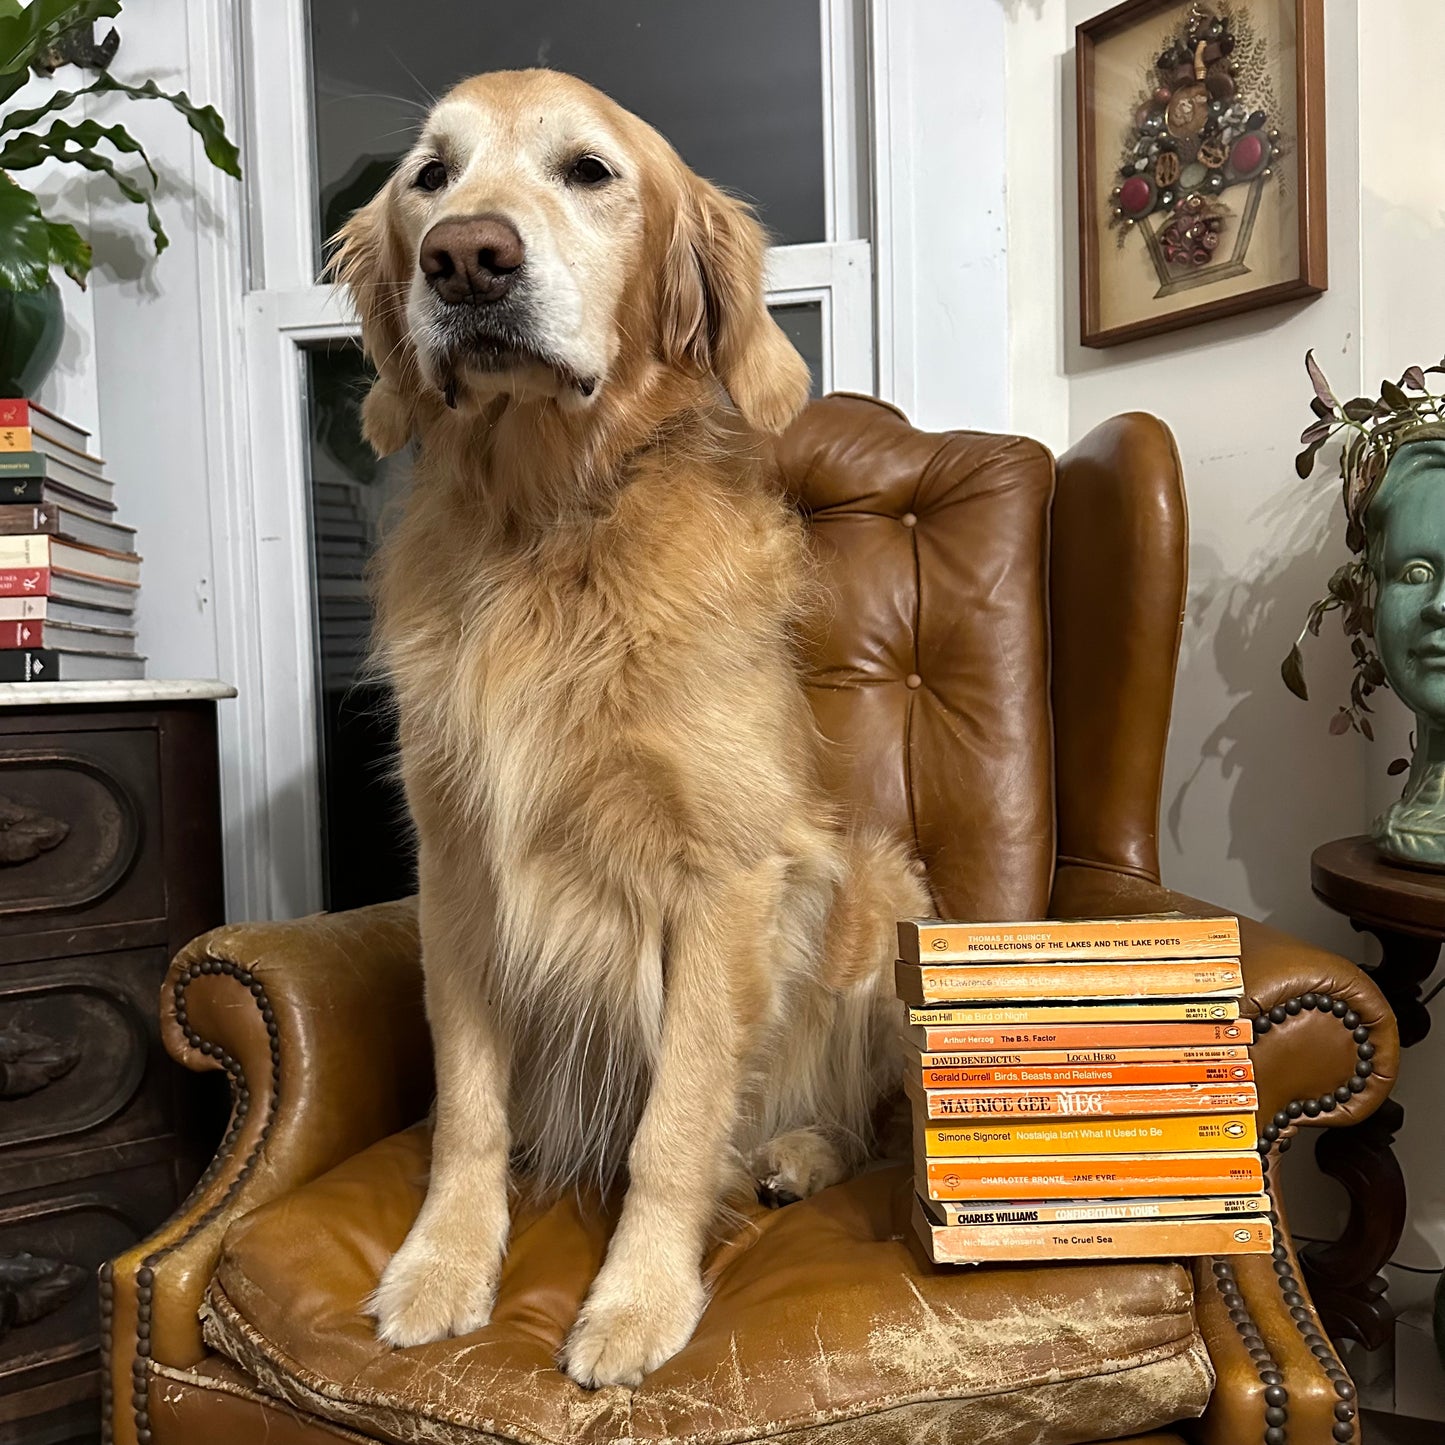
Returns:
(796,1166)
(625,1333)
(432,1290)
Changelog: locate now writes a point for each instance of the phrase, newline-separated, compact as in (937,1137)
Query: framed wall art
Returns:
(1201,162)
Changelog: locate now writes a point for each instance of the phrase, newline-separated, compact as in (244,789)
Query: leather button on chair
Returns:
(908,519)
(913,680)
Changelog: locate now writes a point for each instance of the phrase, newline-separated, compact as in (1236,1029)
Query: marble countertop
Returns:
(140,689)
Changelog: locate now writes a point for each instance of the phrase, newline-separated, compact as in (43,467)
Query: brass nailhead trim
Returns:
(1276,1137)
(240,1109)
(107,1316)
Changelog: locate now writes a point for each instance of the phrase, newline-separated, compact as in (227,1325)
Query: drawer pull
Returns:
(26,833)
(32,1287)
(28,1062)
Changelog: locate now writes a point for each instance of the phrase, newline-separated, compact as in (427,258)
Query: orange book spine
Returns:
(1112,1011)
(1168,1134)
(1163,935)
(1127,1239)
(1090,1176)
(1232,1054)
(14,439)
(967,1038)
(1118,1103)
(1086,1075)
(922,984)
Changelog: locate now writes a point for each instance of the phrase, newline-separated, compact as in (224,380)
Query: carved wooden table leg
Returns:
(1344,1275)
(1406,961)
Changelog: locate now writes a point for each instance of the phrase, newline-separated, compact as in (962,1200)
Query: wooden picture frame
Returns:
(1199,237)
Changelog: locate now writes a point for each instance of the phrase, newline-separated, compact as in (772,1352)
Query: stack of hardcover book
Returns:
(1081,1089)
(69,573)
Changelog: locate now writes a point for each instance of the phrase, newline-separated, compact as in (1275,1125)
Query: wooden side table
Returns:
(1405,909)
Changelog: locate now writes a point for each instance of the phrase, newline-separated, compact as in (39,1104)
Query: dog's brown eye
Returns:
(589,171)
(432,176)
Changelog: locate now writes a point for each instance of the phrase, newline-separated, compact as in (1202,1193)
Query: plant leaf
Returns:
(1414,377)
(1340,723)
(69,250)
(1317,431)
(203,119)
(1392,394)
(1359,408)
(24,35)
(1292,670)
(1397,767)
(1304,463)
(24,151)
(24,240)
(1317,378)
(1368,731)
(26,119)
(1319,408)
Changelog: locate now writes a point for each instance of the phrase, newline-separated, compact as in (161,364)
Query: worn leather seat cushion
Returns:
(823,1325)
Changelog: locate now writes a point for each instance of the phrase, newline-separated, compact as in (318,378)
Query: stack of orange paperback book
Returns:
(1081,1089)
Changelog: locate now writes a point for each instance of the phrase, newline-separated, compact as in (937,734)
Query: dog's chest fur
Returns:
(574,706)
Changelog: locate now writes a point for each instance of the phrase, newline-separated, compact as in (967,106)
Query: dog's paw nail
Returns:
(773,1194)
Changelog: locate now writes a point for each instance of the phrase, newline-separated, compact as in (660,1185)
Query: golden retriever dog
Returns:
(654,949)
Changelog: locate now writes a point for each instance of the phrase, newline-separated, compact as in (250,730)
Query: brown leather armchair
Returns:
(997,677)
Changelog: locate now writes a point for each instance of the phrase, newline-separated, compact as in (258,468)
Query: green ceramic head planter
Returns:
(1405,530)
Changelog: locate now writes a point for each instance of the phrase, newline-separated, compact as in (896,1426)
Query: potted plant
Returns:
(37,38)
(1391,593)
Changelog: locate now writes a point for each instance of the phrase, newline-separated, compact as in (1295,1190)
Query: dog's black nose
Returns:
(471,258)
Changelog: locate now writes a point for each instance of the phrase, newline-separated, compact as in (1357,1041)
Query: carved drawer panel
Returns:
(77,825)
(50,1250)
(81,1063)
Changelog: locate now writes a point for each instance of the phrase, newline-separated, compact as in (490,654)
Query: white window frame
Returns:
(274,862)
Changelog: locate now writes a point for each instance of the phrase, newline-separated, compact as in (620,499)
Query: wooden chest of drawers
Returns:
(110,860)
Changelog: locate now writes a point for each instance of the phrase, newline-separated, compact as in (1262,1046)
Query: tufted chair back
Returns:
(997,732)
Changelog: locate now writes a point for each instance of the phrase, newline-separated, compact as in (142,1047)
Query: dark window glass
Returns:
(803,324)
(736,87)
(367,848)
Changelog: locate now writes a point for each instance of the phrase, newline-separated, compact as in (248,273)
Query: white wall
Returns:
(942,266)
(142,349)
(1253,782)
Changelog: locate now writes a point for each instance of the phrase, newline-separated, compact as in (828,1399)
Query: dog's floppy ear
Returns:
(714,314)
(368,261)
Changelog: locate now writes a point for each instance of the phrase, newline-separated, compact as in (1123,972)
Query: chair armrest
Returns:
(1302,1055)
(320,1025)
(1278,1376)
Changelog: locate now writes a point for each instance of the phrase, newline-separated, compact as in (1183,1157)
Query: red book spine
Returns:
(14,411)
(24,581)
(21,634)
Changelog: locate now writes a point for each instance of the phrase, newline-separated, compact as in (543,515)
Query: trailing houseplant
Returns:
(37,38)
(1370,431)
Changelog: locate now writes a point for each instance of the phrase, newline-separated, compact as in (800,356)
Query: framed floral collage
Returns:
(1201,162)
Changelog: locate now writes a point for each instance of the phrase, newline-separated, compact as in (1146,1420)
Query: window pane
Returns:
(367,848)
(736,87)
(802,323)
